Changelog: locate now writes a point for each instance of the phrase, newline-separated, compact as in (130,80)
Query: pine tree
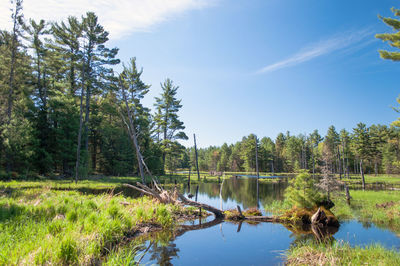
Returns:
(168,125)
(392,38)
(362,146)
(95,74)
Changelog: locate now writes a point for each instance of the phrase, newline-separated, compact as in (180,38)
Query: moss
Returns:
(252,212)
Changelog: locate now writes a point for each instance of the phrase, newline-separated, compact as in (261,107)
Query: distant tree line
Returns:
(376,149)
(64,110)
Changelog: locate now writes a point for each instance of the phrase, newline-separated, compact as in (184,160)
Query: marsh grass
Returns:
(339,253)
(371,206)
(365,206)
(40,225)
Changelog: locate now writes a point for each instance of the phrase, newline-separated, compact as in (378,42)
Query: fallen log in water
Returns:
(174,197)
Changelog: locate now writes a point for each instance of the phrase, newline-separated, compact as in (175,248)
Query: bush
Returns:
(302,192)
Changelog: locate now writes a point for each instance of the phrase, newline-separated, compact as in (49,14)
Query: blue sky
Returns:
(260,67)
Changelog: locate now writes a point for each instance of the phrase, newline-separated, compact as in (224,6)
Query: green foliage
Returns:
(392,38)
(168,127)
(302,192)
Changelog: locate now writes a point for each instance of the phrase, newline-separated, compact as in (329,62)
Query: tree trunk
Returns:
(197,160)
(362,174)
(78,148)
(94,152)
(340,163)
(258,174)
(132,133)
(189,178)
(343,162)
(313,162)
(10,102)
(86,128)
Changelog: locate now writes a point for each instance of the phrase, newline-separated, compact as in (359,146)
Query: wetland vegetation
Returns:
(75,138)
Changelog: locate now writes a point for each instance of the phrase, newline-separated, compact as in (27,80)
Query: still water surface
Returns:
(232,244)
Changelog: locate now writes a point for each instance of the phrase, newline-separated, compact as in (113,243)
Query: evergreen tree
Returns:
(167,123)
(95,74)
(362,146)
(392,38)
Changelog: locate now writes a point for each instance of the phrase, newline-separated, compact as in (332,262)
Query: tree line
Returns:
(374,149)
(65,111)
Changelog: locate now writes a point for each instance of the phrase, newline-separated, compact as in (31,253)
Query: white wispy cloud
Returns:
(119,17)
(338,42)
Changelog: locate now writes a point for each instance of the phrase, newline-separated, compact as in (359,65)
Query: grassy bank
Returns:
(52,222)
(310,253)
(387,180)
(380,207)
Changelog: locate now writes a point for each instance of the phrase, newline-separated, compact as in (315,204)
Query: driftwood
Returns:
(165,196)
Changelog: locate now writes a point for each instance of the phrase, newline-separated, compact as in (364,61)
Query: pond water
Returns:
(226,243)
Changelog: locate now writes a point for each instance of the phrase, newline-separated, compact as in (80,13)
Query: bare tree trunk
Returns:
(258,174)
(376,168)
(313,161)
(305,159)
(343,162)
(340,163)
(362,174)
(86,127)
(197,160)
(189,178)
(94,153)
(132,133)
(78,148)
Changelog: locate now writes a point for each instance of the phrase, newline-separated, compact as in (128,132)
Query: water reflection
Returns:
(224,243)
(238,191)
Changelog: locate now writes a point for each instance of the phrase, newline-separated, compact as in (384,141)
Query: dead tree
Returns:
(132,130)
(197,160)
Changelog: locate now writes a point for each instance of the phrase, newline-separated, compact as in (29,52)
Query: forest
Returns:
(63,106)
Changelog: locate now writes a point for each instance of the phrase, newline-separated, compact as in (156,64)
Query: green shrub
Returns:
(302,192)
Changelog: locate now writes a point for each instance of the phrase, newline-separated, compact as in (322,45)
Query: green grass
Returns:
(365,206)
(369,206)
(311,253)
(52,222)
(372,179)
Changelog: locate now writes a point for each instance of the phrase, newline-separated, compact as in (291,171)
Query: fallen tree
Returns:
(174,197)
